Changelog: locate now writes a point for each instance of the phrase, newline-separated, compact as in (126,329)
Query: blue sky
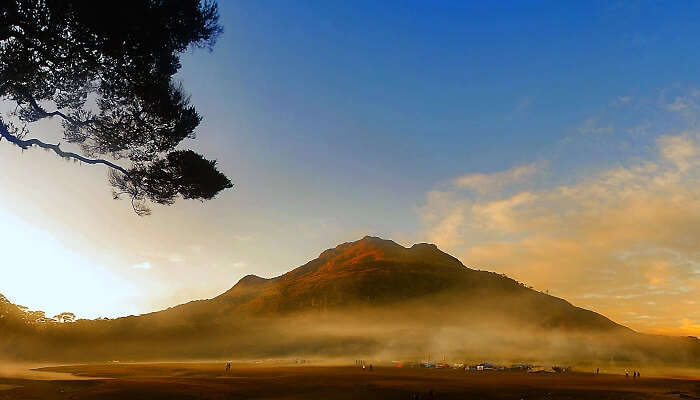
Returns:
(392,98)
(404,120)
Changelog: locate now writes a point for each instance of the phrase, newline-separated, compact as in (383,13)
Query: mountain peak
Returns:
(427,245)
(373,241)
(374,249)
(250,281)
(369,247)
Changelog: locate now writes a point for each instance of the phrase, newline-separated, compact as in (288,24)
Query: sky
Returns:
(557,143)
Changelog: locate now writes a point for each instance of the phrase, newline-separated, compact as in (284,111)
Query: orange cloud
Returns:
(623,242)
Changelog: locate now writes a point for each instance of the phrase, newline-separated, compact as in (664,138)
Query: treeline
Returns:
(22,314)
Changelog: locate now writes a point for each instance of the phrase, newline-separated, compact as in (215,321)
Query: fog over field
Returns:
(368,299)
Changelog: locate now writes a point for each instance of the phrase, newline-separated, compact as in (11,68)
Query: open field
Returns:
(251,381)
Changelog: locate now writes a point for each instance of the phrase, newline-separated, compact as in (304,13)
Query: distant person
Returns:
(370,366)
(627,374)
(597,371)
(363,367)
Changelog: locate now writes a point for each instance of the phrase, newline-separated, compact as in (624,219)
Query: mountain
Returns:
(373,272)
(368,297)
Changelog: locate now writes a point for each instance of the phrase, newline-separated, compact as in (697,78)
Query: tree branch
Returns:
(25,144)
(45,114)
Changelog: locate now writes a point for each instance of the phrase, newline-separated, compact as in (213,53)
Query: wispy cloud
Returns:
(686,104)
(593,126)
(484,183)
(521,108)
(622,100)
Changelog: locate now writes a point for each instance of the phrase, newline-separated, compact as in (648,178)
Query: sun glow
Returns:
(40,273)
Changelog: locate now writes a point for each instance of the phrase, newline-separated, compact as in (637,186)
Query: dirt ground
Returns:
(252,381)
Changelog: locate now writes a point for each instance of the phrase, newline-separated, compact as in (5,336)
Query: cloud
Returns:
(685,104)
(682,104)
(143,265)
(445,216)
(682,150)
(521,108)
(623,100)
(592,126)
(618,241)
(500,215)
(484,183)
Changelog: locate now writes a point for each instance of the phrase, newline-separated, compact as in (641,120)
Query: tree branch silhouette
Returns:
(107,72)
(26,144)
(137,198)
